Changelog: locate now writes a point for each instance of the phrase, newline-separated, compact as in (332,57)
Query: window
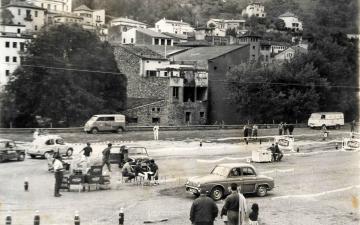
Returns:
(253,47)
(322,117)
(132,120)
(22,46)
(14,59)
(124,40)
(7,72)
(14,44)
(150,73)
(110,118)
(48,6)
(215,68)
(36,13)
(235,172)
(153,109)
(165,74)
(168,42)
(19,12)
(36,27)
(187,116)
(7,44)
(156,41)
(158,109)
(202,114)
(132,40)
(248,171)
(18,31)
(155,120)
(176,92)
(7,59)
(50,142)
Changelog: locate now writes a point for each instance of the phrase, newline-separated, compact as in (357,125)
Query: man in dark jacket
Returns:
(235,206)
(106,157)
(203,210)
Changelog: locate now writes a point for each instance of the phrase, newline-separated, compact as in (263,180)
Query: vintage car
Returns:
(45,145)
(217,183)
(120,153)
(10,151)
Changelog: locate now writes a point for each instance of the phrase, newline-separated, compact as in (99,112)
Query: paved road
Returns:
(319,185)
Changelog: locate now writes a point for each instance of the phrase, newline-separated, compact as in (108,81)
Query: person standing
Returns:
(352,126)
(87,150)
(285,128)
(154,169)
(291,129)
(254,214)
(278,152)
(156,132)
(281,128)
(246,132)
(36,133)
(58,171)
(203,210)
(106,157)
(254,131)
(235,206)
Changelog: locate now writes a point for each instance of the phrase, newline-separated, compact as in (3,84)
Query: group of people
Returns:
(276,153)
(250,131)
(285,129)
(204,209)
(132,169)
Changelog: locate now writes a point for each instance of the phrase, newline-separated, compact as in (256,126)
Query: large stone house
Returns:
(254,9)
(159,91)
(217,61)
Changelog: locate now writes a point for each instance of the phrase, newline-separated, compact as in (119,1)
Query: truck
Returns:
(326,120)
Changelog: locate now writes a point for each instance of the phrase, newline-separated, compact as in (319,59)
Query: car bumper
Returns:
(193,190)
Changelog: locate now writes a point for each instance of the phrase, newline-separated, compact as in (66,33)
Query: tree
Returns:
(231,32)
(6,16)
(282,93)
(280,24)
(68,75)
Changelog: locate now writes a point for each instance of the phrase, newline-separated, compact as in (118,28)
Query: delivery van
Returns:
(105,122)
(326,119)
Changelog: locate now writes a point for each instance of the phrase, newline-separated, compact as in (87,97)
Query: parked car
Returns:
(45,145)
(326,119)
(120,153)
(219,180)
(10,151)
(109,122)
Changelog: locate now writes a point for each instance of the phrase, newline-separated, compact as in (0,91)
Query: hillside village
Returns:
(174,69)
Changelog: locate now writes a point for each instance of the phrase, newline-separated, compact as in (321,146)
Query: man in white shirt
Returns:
(156,132)
(58,171)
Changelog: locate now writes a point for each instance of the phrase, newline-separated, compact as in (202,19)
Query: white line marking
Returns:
(317,194)
(221,159)
(277,170)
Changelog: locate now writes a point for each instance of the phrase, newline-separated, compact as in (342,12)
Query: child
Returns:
(253,216)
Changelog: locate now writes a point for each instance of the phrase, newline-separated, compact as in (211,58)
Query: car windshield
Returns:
(7,144)
(221,171)
(94,118)
(137,151)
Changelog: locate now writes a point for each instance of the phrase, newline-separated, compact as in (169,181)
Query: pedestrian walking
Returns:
(235,206)
(291,129)
(156,132)
(106,157)
(58,171)
(281,128)
(203,210)
(87,150)
(246,132)
(254,131)
(352,126)
(254,214)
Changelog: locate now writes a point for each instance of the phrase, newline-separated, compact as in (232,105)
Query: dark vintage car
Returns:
(10,151)
(217,183)
(120,153)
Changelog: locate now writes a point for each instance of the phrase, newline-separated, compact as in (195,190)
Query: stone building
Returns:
(217,61)
(159,91)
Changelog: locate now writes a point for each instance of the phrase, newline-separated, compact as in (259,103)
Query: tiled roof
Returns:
(175,21)
(23,5)
(127,20)
(141,51)
(170,50)
(202,54)
(195,43)
(288,14)
(152,33)
(83,8)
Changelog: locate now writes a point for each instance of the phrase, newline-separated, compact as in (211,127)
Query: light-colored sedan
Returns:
(218,182)
(45,145)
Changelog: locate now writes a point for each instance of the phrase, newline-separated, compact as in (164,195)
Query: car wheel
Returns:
(120,130)
(261,191)
(94,131)
(69,152)
(21,157)
(217,193)
(47,155)
(32,156)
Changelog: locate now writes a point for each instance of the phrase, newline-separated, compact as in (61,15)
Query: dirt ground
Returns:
(318,185)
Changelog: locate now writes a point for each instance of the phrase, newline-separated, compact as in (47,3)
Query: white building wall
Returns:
(129,37)
(37,16)
(54,5)
(152,65)
(291,21)
(285,55)
(173,27)
(99,17)
(257,10)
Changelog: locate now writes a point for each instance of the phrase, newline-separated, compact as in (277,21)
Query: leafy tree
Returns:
(59,79)
(280,24)
(231,32)
(6,16)
(282,93)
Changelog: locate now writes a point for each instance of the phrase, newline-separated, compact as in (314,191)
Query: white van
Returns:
(105,122)
(326,119)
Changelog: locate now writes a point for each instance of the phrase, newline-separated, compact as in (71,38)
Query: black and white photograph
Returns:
(179,112)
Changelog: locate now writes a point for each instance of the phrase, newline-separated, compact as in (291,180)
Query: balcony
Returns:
(28,18)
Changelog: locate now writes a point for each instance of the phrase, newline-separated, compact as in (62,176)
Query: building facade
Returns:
(126,24)
(28,14)
(292,22)
(165,93)
(289,53)
(141,36)
(254,41)
(54,6)
(219,26)
(91,18)
(254,9)
(173,26)
(12,45)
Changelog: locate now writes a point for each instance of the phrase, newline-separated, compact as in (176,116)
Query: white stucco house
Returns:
(254,9)
(173,26)
(292,22)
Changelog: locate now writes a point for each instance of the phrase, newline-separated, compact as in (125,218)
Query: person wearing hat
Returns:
(203,210)
(58,171)
(106,157)
(87,150)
